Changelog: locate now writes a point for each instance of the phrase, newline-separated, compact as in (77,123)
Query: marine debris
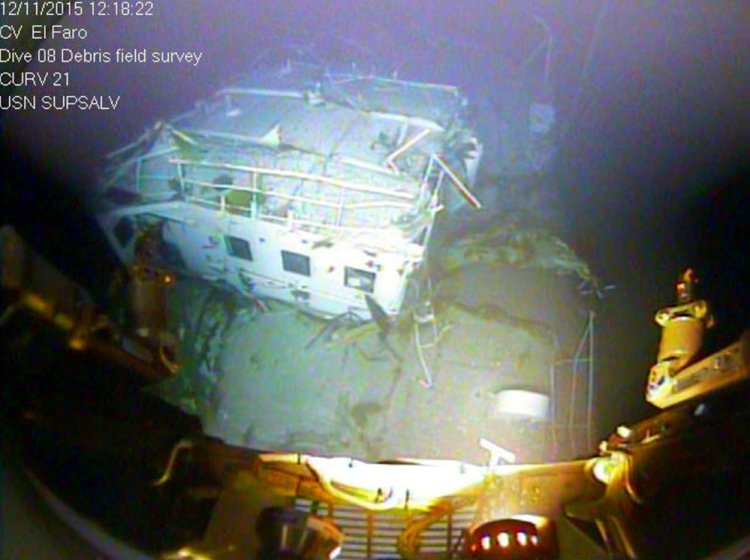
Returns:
(512,239)
(301,184)
(317,197)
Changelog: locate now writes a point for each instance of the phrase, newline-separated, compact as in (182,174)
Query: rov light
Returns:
(605,468)
(486,543)
(522,538)
(519,537)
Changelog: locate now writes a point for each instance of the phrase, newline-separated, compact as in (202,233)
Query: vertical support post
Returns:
(254,199)
(553,409)
(340,208)
(426,178)
(370,531)
(572,403)
(181,176)
(449,534)
(590,403)
(576,428)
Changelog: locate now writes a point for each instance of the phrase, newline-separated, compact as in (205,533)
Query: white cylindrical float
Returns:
(520,404)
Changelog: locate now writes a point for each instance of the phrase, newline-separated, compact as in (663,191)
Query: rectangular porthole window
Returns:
(239,248)
(296,263)
(359,279)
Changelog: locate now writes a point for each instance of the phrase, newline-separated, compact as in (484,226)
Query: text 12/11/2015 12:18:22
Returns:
(100,8)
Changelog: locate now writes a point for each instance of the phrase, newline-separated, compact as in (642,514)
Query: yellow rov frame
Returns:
(38,287)
(673,379)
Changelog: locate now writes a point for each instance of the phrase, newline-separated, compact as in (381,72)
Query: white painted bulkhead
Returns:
(260,259)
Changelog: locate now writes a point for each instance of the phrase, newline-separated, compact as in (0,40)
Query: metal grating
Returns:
(371,535)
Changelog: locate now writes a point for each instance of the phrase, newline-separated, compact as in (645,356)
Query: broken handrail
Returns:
(373,232)
(428,382)
(260,92)
(260,141)
(372,77)
(242,188)
(293,197)
(457,182)
(339,183)
(410,120)
(148,135)
(390,160)
(124,167)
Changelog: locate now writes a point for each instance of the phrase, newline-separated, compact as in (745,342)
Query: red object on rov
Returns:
(513,539)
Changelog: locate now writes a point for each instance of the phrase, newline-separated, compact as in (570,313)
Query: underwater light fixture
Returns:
(522,538)
(519,537)
(503,539)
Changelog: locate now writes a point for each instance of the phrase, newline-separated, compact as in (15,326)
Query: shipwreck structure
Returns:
(310,187)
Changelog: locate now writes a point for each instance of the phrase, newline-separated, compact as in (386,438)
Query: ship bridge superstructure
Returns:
(311,187)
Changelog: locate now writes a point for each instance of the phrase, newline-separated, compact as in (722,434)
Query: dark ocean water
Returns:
(640,238)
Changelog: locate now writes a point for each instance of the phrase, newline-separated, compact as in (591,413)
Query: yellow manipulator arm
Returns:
(682,326)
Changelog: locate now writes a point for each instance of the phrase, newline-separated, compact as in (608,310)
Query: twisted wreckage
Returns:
(312,188)
(322,190)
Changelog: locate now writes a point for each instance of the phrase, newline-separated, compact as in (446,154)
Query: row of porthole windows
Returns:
(297,263)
